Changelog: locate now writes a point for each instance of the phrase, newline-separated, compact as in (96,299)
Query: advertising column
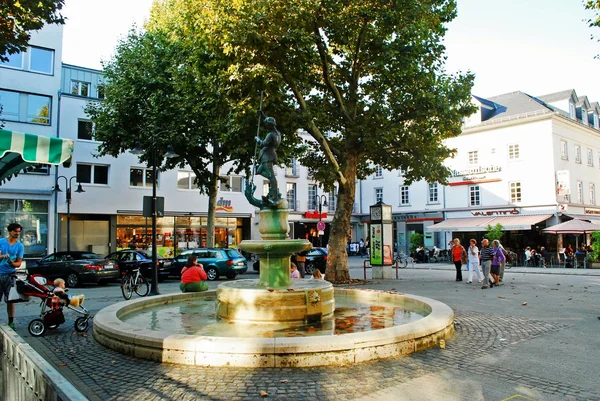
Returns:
(381,240)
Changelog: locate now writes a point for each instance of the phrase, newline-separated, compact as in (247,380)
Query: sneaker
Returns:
(469,282)
(484,287)
(12,326)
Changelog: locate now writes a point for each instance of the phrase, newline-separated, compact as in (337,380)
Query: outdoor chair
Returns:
(580,260)
(562,260)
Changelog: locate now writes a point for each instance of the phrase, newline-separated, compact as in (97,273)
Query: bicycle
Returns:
(403,260)
(134,281)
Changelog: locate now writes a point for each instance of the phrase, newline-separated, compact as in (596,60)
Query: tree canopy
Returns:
(18,18)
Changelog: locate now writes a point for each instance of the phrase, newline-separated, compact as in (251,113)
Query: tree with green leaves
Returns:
(416,240)
(495,232)
(19,18)
(365,79)
(160,92)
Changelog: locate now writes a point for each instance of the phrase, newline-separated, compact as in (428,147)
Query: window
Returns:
(378,195)
(92,174)
(185,180)
(433,193)
(513,152)
(577,154)
(84,130)
(38,169)
(312,195)
(231,184)
(101,89)
(571,110)
(596,121)
(580,192)
(473,157)
(41,60)
(332,200)
(584,116)
(592,194)
(292,170)
(80,88)
(590,158)
(14,61)
(25,107)
(474,195)
(141,177)
(404,199)
(515,192)
(290,195)
(378,172)
(564,150)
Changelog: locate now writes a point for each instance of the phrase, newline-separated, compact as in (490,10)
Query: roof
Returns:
(516,103)
(553,97)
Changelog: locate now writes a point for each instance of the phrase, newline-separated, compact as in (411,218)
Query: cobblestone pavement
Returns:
(474,365)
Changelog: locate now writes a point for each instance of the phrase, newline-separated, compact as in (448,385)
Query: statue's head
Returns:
(270,122)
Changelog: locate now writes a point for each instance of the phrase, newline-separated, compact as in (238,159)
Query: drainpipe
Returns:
(56,177)
(444,215)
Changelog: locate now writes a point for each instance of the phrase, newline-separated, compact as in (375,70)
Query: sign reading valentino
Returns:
(496,212)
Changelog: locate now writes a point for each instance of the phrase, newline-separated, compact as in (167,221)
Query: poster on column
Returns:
(376,245)
(388,245)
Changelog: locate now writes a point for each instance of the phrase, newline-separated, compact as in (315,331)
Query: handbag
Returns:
(14,296)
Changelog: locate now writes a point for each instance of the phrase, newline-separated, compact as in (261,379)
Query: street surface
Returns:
(535,338)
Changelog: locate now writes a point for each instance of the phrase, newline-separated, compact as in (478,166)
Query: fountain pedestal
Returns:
(274,297)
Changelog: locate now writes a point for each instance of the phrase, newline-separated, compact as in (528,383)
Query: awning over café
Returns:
(21,151)
(509,223)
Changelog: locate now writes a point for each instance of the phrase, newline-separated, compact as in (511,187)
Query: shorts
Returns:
(495,269)
(7,281)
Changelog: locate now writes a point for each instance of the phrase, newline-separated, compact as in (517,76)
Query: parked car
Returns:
(75,268)
(216,261)
(315,258)
(128,259)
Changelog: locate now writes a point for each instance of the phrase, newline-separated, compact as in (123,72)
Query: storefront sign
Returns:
(592,211)
(472,181)
(314,215)
(424,216)
(496,212)
(475,171)
(224,205)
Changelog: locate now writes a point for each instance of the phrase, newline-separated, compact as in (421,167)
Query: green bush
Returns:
(416,240)
(595,255)
(495,232)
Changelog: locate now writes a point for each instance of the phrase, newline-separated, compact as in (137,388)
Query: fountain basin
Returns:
(166,346)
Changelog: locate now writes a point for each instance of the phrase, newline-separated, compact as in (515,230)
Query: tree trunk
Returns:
(213,191)
(337,261)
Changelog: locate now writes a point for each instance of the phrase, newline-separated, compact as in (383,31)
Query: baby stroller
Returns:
(51,315)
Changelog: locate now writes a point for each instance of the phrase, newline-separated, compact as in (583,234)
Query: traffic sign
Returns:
(321,226)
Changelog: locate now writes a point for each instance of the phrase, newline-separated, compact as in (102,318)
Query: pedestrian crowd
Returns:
(487,263)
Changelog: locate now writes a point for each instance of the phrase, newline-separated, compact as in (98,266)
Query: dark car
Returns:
(129,259)
(315,258)
(216,261)
(75,268)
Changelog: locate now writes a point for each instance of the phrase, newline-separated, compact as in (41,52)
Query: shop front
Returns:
(176,233)
(409,223)
(313,227)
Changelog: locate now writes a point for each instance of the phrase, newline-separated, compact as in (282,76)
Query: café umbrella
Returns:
(574,226)
(20,151)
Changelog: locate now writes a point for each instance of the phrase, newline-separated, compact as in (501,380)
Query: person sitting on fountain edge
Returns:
(294,273)
(193,276)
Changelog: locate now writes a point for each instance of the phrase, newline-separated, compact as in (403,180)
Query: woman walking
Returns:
(497,260)
(473,262)
(459,256)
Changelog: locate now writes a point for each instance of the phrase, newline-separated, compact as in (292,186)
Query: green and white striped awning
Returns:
(21,151)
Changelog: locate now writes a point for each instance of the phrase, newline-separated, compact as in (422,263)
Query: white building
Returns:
(521,161)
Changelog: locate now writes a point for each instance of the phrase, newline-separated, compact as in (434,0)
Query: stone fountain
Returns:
(272,321)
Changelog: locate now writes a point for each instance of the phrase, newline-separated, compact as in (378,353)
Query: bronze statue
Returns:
(267,159)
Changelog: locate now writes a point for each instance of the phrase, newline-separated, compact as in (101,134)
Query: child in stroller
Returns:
(61,293)
(52,305)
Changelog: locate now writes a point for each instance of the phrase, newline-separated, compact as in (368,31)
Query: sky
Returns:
(535,46)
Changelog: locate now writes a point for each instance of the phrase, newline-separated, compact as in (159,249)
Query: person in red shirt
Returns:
(193,276)
(459,257)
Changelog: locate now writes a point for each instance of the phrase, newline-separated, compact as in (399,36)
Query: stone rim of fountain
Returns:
(112,332)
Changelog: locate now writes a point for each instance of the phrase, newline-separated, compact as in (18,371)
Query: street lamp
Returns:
(321,201)
(68,184)
(139,150)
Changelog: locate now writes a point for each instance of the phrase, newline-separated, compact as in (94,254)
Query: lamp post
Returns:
(68,185)
(321,201)
(139,150)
